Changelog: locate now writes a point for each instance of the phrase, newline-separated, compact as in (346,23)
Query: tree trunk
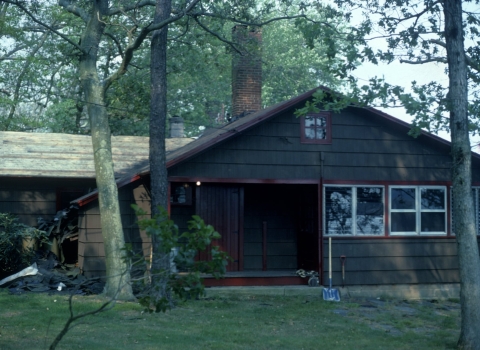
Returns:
(118,274)
(463,214)
(158,116)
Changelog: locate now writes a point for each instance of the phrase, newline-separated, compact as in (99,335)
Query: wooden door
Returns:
(222,206)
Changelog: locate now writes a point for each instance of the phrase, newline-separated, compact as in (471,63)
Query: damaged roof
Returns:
(70,156)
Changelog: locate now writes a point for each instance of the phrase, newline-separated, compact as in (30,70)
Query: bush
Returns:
(165,281)
(13,255)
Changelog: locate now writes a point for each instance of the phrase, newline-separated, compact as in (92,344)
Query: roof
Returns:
(70,156)
(233,129)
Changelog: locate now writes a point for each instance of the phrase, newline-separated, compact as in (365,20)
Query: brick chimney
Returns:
(246,71)
(176,127)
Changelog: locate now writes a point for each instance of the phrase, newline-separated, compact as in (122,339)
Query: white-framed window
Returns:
(354,210)
(476,213)
(416,210)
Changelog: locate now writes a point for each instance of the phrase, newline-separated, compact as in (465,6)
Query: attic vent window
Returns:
(316,128)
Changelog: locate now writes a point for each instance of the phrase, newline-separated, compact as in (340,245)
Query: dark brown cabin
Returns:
(276,187)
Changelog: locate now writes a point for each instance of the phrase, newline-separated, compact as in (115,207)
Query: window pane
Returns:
(432,198)
(310,133)
(433,222)
(403,198)
(321,134)
(321,122)
(309,122)
(369,211)
(338,210)
(403,222)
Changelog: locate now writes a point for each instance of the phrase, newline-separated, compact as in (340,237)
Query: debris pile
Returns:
(48,275)
(62,231)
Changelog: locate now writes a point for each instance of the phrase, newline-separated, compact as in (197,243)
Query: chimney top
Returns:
(246,71)
(176,127)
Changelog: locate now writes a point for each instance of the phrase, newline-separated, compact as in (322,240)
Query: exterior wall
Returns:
(392,261)
(91,252)
(30,198)
(363,148)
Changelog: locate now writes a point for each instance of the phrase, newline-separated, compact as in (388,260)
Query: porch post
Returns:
(264,241)
(320,229)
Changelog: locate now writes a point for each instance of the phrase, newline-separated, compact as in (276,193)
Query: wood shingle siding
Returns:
(393,261)
(30,198)
(91,253)
(358,152)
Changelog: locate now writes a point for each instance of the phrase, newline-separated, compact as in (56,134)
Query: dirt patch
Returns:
(397,317)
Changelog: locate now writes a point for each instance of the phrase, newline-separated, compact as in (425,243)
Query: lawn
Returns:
(31,321)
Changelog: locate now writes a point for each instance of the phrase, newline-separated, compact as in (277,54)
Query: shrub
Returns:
(178,252)
(13,255)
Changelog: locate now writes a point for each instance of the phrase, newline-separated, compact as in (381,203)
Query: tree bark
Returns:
(118,274)
(463,213)
(158,116)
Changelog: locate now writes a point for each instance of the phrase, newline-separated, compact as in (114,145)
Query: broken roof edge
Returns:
(89,197)
(238,126)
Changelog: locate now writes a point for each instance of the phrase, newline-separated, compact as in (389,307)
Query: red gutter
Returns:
(241,180)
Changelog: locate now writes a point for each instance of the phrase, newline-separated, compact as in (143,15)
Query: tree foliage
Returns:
(412,33)
(50,96)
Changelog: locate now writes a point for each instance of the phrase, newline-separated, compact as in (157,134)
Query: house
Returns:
(41,173)
(276,187)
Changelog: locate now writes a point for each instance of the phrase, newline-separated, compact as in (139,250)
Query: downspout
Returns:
(320,220)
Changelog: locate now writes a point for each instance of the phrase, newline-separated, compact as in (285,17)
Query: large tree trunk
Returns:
(158,116)
(463,214)
(118,274)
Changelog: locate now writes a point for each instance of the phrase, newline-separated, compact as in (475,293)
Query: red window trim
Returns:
(328,127)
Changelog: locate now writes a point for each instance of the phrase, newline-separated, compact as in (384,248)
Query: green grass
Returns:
(31,321)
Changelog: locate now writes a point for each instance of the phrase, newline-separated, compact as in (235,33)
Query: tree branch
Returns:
(473,64)
(415,16)
(139,40)
(136,5)
(117,43)
(429,60)
(216,35)
(74,10)
(29,14)
(438,42)
(6,92)
(235,20)
(11,52)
